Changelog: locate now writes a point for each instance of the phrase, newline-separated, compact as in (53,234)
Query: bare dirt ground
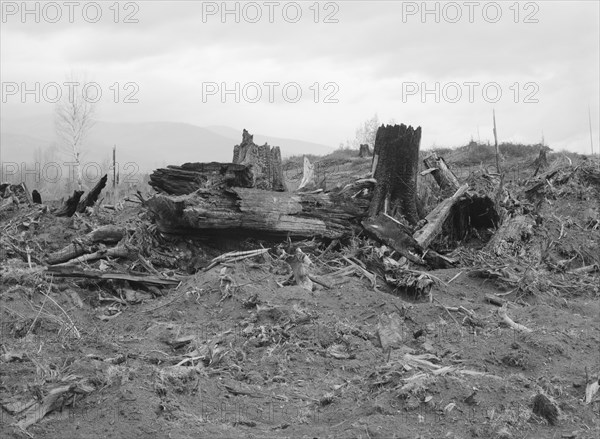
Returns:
(237,353)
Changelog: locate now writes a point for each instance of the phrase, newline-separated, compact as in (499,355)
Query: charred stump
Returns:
(364,151)
(70,206)
(92,196)
(36,197)
(541,163)
(395,164)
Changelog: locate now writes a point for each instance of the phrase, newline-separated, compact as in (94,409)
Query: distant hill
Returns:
(148,144)
(19,147)
(289,147)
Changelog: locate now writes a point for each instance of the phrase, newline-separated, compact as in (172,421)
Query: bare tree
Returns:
(74,118)
(366,133)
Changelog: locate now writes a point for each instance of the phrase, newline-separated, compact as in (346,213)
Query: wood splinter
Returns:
(299,262)
(510,322)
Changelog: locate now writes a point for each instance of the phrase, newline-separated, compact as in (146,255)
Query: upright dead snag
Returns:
(396,165)
(92,196)
(308,176)
(541,162)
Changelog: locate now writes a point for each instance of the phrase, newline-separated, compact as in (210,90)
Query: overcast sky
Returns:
(367,57)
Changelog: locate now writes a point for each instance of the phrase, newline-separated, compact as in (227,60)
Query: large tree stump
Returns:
(36,197)
(395,163)
(442,174)
(90,199)
(265,160)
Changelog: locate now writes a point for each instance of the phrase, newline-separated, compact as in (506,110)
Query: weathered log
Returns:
(331,215)
(436,219)
(189,177)
(395,162)
(90,199)
(70,206)
(109,234)
(264,160)
(512,235)
(444,177)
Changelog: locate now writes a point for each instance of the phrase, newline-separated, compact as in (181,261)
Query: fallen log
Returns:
(436,219)
(92,196)
(398,236)
(512,235)
(70,206)
(189,177)
(63,271)
(109,234)
(442,174)
(330,215)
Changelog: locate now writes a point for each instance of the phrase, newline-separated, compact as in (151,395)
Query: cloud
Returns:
(370,54)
